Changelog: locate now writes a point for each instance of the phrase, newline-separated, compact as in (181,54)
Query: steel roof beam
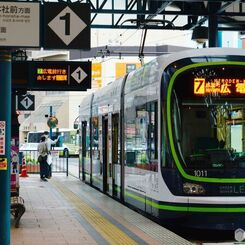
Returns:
(100,7)
(159,10)
(147,12)
(193,10)
(217,12)
(129,6)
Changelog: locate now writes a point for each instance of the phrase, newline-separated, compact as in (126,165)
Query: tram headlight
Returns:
(193,189)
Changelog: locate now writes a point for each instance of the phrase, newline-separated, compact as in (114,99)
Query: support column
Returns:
(50,115)
(213,8)
(5,117)
(213,31)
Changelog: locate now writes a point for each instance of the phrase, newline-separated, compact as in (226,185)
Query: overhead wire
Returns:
(121,43)
(170,38)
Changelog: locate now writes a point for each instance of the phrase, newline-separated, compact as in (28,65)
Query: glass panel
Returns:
(141,136)
(34,137)
(208,118)
(115,139)
(141,126)
(130,136)
(95,146)
(116,155)
(86,148)
(153,135)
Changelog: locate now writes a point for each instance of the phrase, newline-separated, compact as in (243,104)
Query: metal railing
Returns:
(59,161)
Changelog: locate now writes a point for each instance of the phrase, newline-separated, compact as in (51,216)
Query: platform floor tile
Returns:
(66,211)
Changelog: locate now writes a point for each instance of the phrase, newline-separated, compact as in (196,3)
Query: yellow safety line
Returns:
(111,233)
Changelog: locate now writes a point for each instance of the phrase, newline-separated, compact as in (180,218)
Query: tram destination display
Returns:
(218,82)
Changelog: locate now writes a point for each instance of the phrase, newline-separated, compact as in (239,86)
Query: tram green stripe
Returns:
(169,125)
(172,207)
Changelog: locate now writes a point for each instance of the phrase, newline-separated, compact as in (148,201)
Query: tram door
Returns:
(107,154)
(105,142)
(115,159)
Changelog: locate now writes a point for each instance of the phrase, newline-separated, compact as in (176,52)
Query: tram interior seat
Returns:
(210,152)
(200,158)
(240,161)
(205,143)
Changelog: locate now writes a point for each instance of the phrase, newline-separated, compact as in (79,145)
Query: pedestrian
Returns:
(42,149)
(49,143)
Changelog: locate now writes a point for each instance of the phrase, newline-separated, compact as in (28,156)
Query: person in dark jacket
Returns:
(42,149)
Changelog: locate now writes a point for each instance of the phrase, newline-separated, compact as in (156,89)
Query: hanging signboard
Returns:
(56,75)
(51,76)
(26,102)
(19,24)
(66,26)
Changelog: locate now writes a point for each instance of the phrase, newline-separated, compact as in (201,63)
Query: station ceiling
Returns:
(169,15)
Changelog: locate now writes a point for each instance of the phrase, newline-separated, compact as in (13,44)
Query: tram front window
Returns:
(208,120)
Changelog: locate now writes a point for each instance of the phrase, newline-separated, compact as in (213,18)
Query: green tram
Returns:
(168,139)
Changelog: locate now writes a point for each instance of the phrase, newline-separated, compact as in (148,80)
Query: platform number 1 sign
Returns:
(67,19)
(67,26)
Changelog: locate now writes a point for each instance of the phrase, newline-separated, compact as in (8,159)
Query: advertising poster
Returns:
(2,138)
(14,172)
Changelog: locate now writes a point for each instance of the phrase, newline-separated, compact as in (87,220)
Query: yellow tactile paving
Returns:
(111,233)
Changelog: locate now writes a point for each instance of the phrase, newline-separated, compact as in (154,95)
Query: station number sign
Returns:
(66,26)
(26,102)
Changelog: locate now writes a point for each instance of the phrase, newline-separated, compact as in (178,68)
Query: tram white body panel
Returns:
(218,200)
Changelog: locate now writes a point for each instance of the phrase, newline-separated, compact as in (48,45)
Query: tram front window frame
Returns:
(197,121)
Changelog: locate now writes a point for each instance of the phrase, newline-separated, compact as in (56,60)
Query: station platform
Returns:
(64,210)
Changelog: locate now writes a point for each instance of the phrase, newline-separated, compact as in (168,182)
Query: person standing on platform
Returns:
(42,149)
(49,143)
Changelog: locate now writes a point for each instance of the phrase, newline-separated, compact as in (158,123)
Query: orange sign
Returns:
(219,86)
(96,75)
(123,68)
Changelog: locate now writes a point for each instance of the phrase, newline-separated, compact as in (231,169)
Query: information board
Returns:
(51,75)
(19,24)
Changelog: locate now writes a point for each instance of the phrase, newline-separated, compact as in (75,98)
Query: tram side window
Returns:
(87,140)
(141,138)
(95,137)
(130,136)
(153,134)
(115,139)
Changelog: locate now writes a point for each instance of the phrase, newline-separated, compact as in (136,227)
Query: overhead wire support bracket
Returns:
(142,45)
(143,24)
